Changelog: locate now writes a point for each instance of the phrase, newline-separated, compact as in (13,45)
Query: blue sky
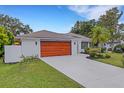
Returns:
(55,18)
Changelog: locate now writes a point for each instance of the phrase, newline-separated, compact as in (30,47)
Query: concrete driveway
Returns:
(87,72)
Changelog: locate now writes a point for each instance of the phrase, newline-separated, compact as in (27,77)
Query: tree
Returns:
(121,27)
(86,27)
(14,25)
(6,38)
(83,27)
(76,28)
(110,22)
(99,35)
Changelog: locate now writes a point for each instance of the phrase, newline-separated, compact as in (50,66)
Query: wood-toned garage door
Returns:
(55,48)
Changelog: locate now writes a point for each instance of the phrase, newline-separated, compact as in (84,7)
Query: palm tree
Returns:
(99,35)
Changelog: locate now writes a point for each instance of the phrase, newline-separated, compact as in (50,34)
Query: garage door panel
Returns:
(59,52)
(51,49)
(55,48)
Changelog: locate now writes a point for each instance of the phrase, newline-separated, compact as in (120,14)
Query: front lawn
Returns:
(116,59)
(35,74)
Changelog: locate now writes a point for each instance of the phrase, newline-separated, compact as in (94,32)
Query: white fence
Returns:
(13,53)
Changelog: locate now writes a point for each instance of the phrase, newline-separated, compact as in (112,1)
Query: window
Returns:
(35,43)
(84,45)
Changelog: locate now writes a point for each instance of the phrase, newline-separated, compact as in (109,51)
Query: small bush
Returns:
(100,55)
(103,50)
(118,48)
(107,55)
(96,50)
(86,50)
(29,59)
(1,53)
(122,47)
(92,54)
(96,53)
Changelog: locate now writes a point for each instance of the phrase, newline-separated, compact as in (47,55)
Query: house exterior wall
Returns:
(79,49)
(79,46)
(31,47)
(74,49)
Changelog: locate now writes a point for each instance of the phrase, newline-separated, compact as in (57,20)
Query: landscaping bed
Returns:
(115,60)
(109,57)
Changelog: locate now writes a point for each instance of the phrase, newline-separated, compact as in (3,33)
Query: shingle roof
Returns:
(53,35)
(84,38)
(45,34)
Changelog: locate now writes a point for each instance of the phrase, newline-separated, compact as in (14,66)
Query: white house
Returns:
(45,43)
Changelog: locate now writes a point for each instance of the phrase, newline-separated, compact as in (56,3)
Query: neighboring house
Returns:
(116,42)
(45,43)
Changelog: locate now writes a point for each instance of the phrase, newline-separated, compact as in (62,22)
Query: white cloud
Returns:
(91,12)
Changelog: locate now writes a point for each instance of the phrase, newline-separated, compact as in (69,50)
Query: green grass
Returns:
(35,74)
(115,60)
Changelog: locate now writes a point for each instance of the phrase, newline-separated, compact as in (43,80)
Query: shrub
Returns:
(93,51)
(29,59)
(86,50)
(1,52)
(103,50)
(6,38)
(96,50)
(118,48)
(92,54)
(122,47)
(100,55)
(107,55)
(96,53)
